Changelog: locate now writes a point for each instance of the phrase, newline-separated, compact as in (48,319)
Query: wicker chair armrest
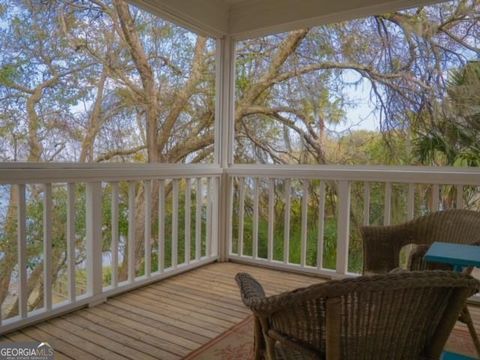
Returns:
(250,289)
(253,295)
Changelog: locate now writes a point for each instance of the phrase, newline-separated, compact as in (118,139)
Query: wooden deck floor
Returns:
(165,320)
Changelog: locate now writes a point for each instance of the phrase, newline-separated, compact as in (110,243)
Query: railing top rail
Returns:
(18,172)
(74,165)
(395,174)
(15,173)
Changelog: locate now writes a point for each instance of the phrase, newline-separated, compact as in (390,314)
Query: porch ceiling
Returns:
(249,18)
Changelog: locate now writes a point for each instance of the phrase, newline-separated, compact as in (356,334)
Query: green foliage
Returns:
(8,72)
(451,135)
(364,147)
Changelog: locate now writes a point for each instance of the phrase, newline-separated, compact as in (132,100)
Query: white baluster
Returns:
(22,252)
(460,204)
(229,205)
(271,213)
(175,223)
(208,239)
(366,203)
(255,218)
(286,225)
(161,225)
(303,239)
(94,239)
(148,226)
(198,220)
(71,242)
(115,235)
(321,225)
(188,208)
(343,226)
(131,232)
(215,215)
(435,197)
(47,247)
(241,214)
(387,213)
(411,202)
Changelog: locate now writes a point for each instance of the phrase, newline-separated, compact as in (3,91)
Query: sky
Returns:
(360,113)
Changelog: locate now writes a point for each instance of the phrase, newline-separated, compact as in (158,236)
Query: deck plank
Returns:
(73,339)
(59,345)
(191,298)
(165,320)
(114,346)
(170,342)
(183,329)
(183,311)
(159,299)
(197,325)
(147,340)
(20,337)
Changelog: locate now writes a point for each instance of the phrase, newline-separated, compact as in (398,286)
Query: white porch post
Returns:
(224,136)
(94,241)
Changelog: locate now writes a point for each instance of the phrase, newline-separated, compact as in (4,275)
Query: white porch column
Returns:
(224,136)
(94,242)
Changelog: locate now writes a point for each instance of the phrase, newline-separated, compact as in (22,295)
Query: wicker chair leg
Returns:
(466,318)
(268,342)
(259,342)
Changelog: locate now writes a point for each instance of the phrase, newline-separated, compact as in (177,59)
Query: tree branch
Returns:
(112,154)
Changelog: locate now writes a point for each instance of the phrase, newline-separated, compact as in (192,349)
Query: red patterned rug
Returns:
(237,344)
(461,342)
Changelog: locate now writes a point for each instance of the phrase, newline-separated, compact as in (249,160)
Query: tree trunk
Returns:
(140,59)
(9,261)
(34,283)
(95,121)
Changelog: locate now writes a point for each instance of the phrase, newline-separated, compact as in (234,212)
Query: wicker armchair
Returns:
(406,315)
(382,245)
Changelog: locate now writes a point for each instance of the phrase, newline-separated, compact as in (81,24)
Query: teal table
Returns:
(459,256)
(446,355)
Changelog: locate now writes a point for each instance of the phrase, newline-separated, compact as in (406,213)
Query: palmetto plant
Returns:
(454,137)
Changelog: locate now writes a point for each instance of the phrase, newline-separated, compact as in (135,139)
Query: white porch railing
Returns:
(415,190)
(181,222)
(195,187)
